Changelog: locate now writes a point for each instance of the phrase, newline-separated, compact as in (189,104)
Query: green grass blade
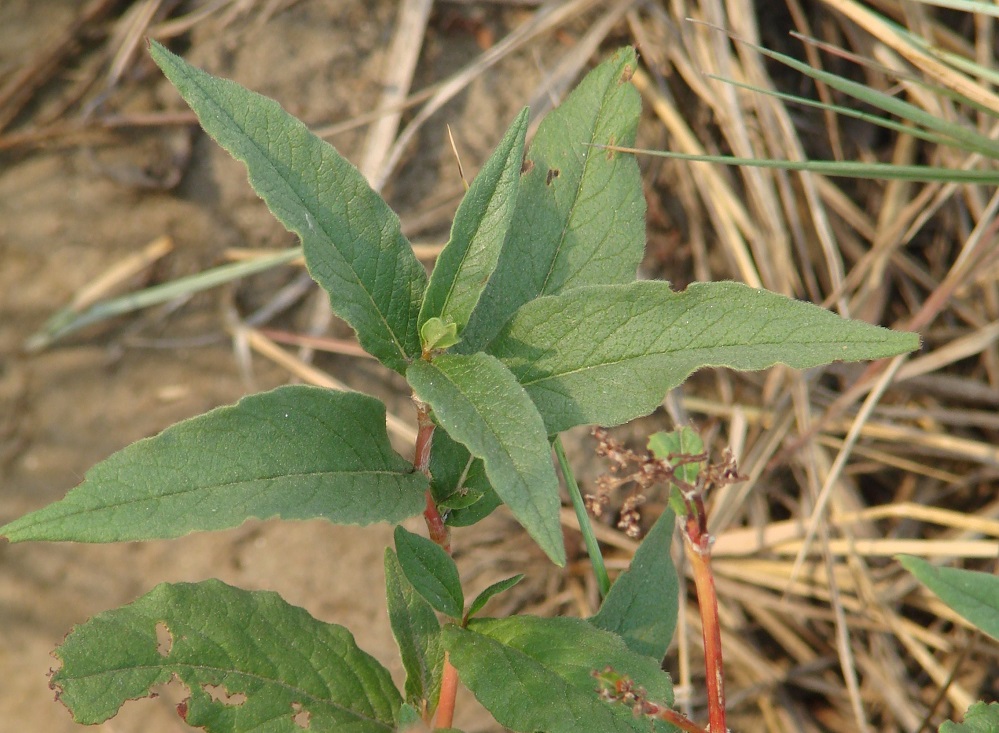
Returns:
(67,321)
(961,136)
(843,168)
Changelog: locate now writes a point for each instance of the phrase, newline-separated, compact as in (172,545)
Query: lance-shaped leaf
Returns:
(536,674)
(477,235)
(641,606)
(489,593)
(973,594)
(250,662)
(353,245)
(608,354)
(296,452)
(431,571)
(580,216)
(418,634)
(479,403)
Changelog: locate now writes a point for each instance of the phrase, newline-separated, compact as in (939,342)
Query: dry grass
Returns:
(847,466)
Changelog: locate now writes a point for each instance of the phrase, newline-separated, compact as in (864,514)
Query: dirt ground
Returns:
(71,210)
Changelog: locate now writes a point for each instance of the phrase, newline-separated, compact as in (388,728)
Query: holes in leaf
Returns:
(164,639)
(301,717)
(218,693)
(553,173)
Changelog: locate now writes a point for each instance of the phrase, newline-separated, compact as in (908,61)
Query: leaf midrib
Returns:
(315,214)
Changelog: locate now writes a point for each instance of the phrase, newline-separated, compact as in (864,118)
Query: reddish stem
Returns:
(449,689)
(697,543)
(679,720)
(438,531)
(440,534)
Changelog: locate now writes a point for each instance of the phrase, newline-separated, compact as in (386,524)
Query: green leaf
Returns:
(608,354)
(580,217)
(250,662)
(431,571)
(438,333)
(459,483)
(980,718)
(296,452)
(642,604)
(495,589)
(466,516)
(682,442)
(477,235)
(418,634)
(974,595)
(536,674)
(479,403)
(353,245)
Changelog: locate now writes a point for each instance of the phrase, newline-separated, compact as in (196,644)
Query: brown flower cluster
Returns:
(642,470)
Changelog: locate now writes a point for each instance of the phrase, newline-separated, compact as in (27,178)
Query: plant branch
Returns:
(585,527)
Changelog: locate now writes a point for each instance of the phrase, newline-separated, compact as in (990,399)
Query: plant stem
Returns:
(440,534)
(438,531)
(449,689)
(697,543)
(589,539)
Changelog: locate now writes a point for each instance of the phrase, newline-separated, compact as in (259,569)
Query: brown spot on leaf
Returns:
(301,718)
(626,74)
(553,173)
(219,693)
(527,166)
(182,709)
(164,639)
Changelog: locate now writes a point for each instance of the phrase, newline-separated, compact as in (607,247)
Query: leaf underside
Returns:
(296,452)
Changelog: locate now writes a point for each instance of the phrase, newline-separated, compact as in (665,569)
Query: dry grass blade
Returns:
(399,68)
(17,92)
(912,470)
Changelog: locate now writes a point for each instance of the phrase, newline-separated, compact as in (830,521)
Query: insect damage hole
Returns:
(553,173)
(300,717)
(164,639)
(218,693)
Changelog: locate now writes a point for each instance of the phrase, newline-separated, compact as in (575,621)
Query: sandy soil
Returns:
(69,212)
